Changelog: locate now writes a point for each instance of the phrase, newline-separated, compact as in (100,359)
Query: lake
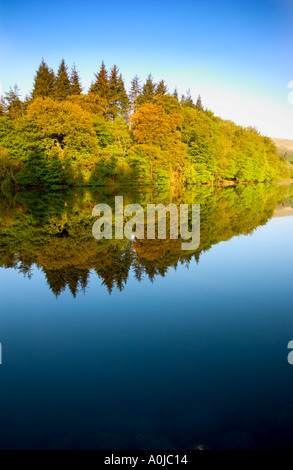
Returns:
(114,344)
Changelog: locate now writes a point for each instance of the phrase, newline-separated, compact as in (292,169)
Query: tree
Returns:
(2,106)
(62,86)
(198,104)
(43,81)
(175,94)
(135,91)
(75,85)
(152,125)
(168,103)
(13,103)
(187,100)
(161,88)
(101,84)
(67,127)
(92,103)
(148,91)
(118,99)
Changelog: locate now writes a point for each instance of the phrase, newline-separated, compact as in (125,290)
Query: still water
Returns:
(120,345)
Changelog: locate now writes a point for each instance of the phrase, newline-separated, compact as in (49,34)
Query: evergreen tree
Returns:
(27,100)
(198,104)
(62,86)
(2,106)
(118,99)
(123,98)
(187,100)
(148,91)
(175,94)
(161,88)
(75,85)
(13,103)
(135,91)
(43,81)
(101,84)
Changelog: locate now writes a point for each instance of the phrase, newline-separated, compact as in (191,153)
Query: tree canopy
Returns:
(145,135)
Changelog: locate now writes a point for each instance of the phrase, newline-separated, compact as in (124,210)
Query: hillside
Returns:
(284,146)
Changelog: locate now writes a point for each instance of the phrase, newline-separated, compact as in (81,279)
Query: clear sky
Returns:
(238,55)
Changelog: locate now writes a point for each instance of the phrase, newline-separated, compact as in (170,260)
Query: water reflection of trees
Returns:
(54,232)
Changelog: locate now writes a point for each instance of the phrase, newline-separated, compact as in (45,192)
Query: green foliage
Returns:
(62,85)
(147,136)
(117,97)
(135,91)
(14,106)
(198,104)
(39,171)
(148,91)
(75,85)
(101,85)
(43,82)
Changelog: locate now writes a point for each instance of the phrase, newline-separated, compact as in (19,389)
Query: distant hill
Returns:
(284,145)
(285,148)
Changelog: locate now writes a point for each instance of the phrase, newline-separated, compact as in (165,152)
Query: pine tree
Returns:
(135,91)
(113,108)
(123,98)
(101,84)
(62,86)
(13,103)
(148,91)
(187,100)
(175,94)
(118,99)
(2,106)
(75,85)
(198,104)
(161,88)
(43,81)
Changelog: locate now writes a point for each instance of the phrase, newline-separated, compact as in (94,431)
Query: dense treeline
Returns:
(61,136)
(53,231)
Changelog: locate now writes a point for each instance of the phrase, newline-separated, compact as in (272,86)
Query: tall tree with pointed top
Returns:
(148,91)
(13,103)
(75,85)
(101,85)
(135,91)
(175,94)
(161,88)
(62,87)
(198,104)
(118,99)
(43,81)
(123,98)
(187,100)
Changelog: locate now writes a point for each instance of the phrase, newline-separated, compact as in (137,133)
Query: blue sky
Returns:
(237,54)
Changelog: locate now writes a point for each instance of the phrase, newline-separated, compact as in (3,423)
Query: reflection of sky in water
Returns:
(199,356)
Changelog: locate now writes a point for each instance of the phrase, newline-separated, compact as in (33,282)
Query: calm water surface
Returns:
(118,345)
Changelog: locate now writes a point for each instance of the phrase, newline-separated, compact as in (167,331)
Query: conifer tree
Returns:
(175,94)
(123,98)
(161,88)
(75,85)
(43,81)
(2,106)
(198,104)
(187,100)
(101,84)
(13,103)
(148,91)
(118,99)
(62,87)
(135,91)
